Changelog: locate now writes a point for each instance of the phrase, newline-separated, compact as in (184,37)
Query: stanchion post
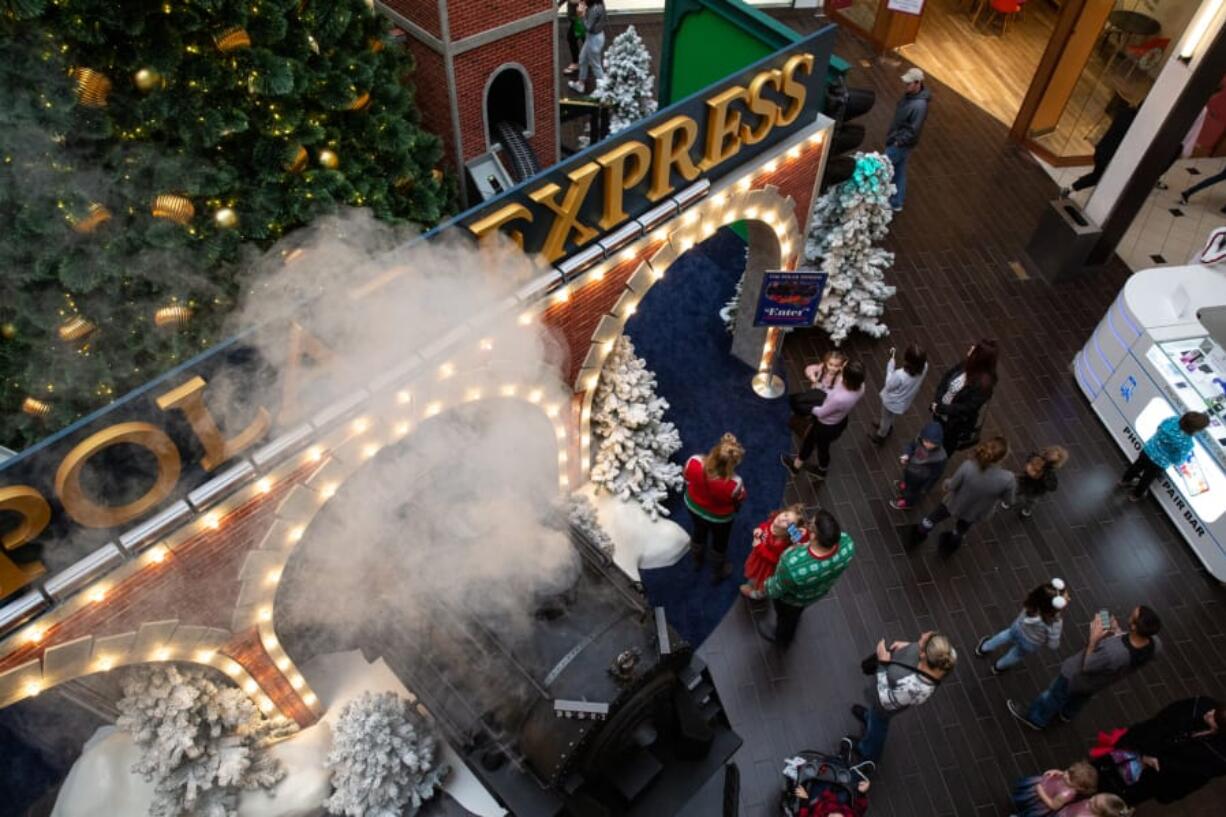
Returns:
(766,383)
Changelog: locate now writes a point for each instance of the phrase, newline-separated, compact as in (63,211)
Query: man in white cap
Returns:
(905,131)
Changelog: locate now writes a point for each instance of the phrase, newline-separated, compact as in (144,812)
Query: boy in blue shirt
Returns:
(1170,445)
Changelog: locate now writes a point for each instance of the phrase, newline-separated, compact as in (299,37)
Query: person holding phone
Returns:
(781,530)
(1111,655)
(900,387)
(804,576)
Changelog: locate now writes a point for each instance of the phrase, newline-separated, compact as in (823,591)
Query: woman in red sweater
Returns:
(770,539)
(714,493)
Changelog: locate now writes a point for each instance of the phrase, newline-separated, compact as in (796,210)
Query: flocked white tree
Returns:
(848,220)
(582,514)
(201,742)
(627,86)
(383,758)
(634,440)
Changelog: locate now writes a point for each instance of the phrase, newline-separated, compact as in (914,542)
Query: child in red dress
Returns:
(770,539)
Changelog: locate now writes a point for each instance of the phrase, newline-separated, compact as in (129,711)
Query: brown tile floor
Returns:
(973,202)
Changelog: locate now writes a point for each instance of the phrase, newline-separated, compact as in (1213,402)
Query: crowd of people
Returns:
(797,557)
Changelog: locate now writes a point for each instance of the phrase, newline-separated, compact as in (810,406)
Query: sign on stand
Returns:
(789,298)
(915,7)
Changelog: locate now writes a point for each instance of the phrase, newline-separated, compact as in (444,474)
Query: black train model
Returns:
(601,710)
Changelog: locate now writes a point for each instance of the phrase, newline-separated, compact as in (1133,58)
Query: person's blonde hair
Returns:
(1109,805)
(1054,455)
(939,653)
(723,458)
(1083,778)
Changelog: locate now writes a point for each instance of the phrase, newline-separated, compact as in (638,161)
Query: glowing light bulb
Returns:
(32,688)
(628,254)
(630,308)
(472,394)
(585,440)
(157,555)
(250,687)
(97,595)
(315,453)
(751,212)
(328,491)
(283,663)
(818,137)
(658,274)
(205,656)
(273,576)
(296,682)
(708,227)
(660,234)
(535,396)
(212,521)
(525,319)
(745,183)
(685,246)
(264,485)
(560,431)
(607,346)
(597,274)
(295,533)
(552,411)
(487,344)
(361,424)
(719,200)
(309,699)
(508,390)
(105,663)
(369,450)
(794,153)
(161,654)
(403,397)
(691,218)
(434,408)
(265,614)
(233,669)
(266,705)
(562,458)
(564,480)
(402,428)
(270,642)
(562,295)
(769,217)
(771,166)
(591,382)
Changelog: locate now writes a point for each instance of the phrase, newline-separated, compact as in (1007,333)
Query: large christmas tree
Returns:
(145,146)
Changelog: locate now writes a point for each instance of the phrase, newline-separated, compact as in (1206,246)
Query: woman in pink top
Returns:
(829,421)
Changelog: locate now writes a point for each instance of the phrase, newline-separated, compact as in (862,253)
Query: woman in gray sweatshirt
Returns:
(971,494)
(1038,625)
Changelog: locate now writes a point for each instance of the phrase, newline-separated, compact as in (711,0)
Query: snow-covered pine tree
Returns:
(634,441)
(582,514)
(627,85)
(848,220)
(383,758)
(201,742)
(728,311)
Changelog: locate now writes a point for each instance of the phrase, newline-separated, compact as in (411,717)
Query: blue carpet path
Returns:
(677,330)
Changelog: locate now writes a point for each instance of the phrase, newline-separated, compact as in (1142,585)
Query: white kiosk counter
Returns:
(1154,356)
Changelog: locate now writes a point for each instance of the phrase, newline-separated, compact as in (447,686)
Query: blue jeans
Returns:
(898,158)
(876,727)
(1019,647)
(1055,699)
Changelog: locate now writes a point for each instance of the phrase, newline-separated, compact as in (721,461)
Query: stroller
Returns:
(832,784)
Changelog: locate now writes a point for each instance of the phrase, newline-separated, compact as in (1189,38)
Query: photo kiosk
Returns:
(1158,353)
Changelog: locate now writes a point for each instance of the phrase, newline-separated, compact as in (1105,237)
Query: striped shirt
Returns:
(802,578)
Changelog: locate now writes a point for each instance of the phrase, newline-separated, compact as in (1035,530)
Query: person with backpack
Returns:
(904,675)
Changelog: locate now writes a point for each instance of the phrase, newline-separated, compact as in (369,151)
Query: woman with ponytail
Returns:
(713,494)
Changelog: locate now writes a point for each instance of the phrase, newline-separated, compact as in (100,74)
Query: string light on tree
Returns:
(225,218)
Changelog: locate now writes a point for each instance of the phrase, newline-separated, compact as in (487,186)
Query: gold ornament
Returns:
(92,87)
(361,102)
(329,159)
(8,331)
(225,218)
(173,208)
(174,315)
(35,408)
(75,329)
(299,161)
(146,80)
(232,39)
(376,44)
(437,175)
(97,216)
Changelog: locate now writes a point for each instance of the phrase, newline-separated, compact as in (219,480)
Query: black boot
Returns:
(699,551)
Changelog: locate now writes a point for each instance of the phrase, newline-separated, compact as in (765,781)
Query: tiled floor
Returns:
(1166,231)
(974,201)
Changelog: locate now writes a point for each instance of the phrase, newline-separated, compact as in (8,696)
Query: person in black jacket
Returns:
(1182,748)
(962,393)
(1104,151)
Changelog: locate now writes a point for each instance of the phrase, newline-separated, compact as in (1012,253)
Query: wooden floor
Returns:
(973,202)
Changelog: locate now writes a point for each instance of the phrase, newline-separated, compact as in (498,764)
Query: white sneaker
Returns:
(1004,506)
(576,86)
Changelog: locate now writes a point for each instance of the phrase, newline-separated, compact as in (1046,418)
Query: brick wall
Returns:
(422,12)
(429,82)
(534,50)
(468,17)
(246,649)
